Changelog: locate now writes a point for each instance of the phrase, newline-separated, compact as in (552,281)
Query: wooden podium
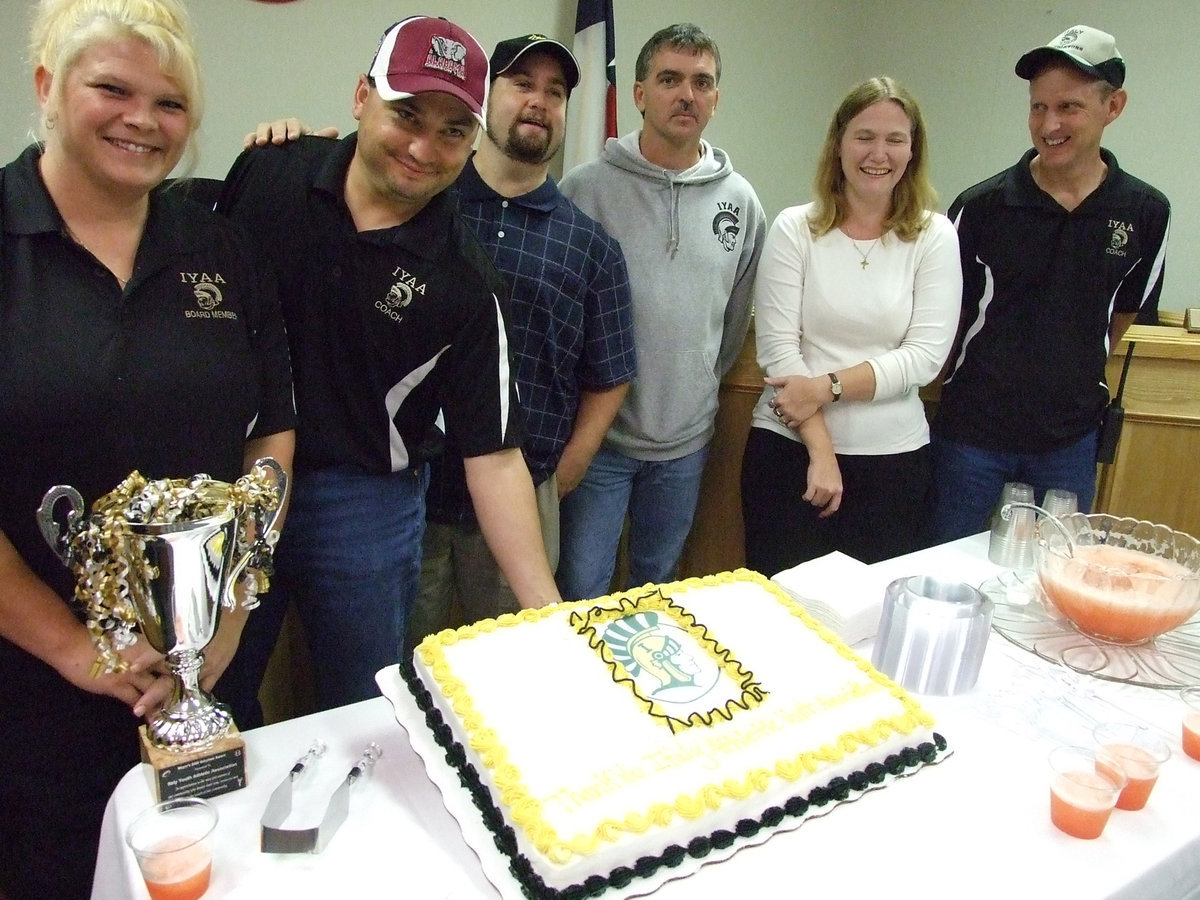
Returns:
(1156,473)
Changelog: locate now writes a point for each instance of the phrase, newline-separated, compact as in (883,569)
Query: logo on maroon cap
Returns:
(447,55)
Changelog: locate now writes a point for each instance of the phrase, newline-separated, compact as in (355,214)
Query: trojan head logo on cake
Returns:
(661,658)
(672,665)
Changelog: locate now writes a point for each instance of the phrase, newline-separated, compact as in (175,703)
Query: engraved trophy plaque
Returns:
(165,557)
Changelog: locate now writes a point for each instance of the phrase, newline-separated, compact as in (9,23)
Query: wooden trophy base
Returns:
(216,770)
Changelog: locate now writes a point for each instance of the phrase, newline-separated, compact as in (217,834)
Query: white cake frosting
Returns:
(607,731)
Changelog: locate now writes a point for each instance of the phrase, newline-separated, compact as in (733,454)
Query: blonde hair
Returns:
(63,29)
(912,198)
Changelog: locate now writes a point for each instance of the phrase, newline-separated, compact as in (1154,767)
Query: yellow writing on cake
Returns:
(710,752)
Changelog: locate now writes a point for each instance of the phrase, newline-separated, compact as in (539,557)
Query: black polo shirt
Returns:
(1040,288)
(168,376)
(387,326)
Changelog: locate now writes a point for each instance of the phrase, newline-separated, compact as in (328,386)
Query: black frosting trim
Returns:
(722,839)
(532,884)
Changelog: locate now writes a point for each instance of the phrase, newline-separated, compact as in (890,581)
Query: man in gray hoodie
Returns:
(691,230)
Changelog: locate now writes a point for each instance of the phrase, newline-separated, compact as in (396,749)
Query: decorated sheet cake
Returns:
(605,746)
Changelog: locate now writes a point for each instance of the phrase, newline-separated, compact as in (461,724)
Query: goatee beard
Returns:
(526,150)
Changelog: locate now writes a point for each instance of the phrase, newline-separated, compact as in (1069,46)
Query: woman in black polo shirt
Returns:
(136,332)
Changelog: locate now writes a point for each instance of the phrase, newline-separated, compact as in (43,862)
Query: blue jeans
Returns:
(349,559)
(968,481)
(660,498)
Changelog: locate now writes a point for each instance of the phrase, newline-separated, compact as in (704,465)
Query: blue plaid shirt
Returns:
(571,318)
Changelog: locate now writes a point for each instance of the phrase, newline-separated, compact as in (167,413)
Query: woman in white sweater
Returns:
(856,305)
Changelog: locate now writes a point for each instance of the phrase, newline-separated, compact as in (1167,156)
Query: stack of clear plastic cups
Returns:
(1011,541)
(1060,502)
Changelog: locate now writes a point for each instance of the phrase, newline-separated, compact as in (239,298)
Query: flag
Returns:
(593,112)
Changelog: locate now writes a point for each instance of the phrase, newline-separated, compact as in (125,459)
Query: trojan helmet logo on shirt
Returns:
(1120,237)
(400,294)
(727,225)
(207,291)
(208,296)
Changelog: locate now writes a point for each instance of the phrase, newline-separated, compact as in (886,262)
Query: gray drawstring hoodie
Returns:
(691,241)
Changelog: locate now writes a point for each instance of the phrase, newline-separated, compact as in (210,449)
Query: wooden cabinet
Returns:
(1155,476)
(717,540)
(1156,473)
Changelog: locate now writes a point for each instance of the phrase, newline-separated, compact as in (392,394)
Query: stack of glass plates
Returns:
(1026,617)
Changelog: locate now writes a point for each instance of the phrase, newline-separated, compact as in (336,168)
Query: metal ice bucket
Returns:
(932,634)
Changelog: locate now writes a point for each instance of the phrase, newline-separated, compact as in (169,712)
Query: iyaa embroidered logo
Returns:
(399,295)
(206,289)
(1119,238)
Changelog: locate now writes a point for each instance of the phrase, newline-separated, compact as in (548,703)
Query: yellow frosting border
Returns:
(526,812)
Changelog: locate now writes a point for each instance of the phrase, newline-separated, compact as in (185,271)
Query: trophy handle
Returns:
(267,529)
(58,539)
(265,538)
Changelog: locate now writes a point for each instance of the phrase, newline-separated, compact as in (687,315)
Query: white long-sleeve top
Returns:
(818,310)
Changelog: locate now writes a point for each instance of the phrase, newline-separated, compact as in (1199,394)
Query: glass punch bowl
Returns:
(1119,580)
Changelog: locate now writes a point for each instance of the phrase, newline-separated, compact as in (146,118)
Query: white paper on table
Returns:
(838,591)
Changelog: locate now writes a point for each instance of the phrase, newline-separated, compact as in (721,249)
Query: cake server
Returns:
(278,839)
(275,838)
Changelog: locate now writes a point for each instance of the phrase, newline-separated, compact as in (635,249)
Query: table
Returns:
(975,825)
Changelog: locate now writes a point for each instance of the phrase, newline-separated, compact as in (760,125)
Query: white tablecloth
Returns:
(976,825)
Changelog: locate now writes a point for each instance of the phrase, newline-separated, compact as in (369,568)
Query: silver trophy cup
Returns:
(180,576)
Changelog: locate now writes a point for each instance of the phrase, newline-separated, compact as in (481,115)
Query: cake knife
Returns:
(339,803)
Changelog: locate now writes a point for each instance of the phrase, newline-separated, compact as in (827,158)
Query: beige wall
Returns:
(787,63)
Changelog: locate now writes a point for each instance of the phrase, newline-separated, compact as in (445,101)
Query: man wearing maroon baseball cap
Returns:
(396,320)
(424,69)
(423,54)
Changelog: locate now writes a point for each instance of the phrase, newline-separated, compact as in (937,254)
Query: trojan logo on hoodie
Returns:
(727,225)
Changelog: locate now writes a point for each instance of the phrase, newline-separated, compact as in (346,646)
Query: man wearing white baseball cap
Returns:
(1059,253)
(395,317)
